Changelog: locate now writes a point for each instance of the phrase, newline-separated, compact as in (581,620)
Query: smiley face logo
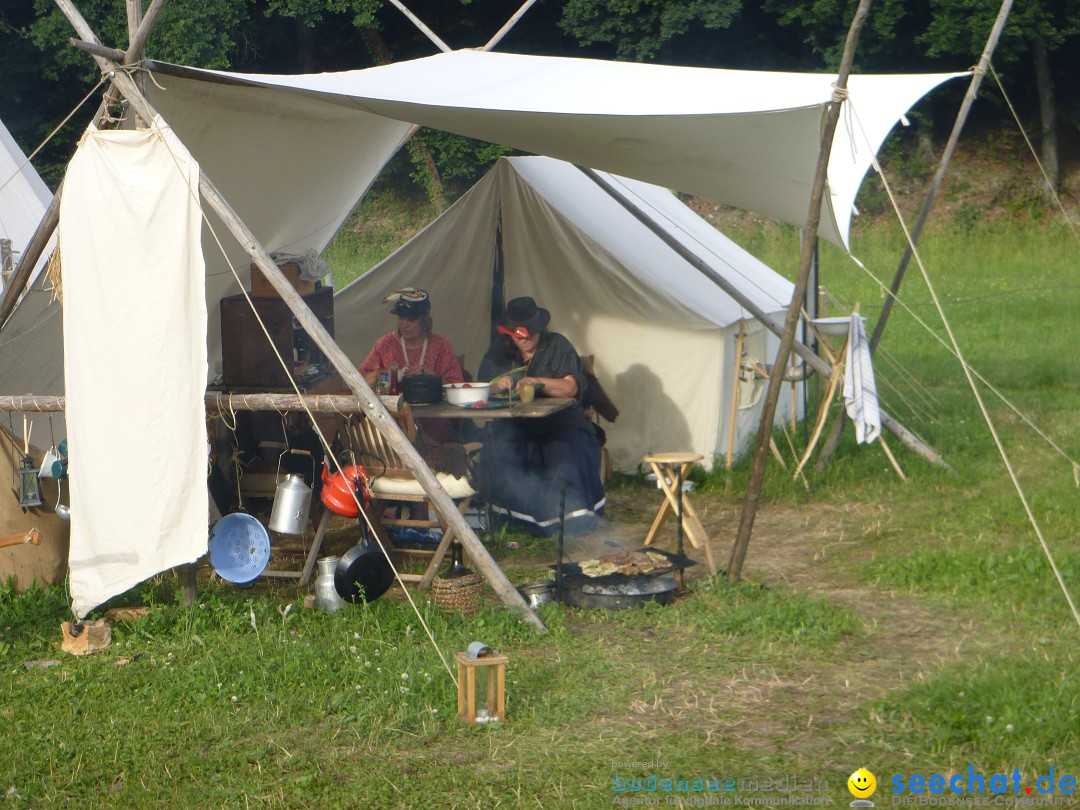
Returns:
(862,784)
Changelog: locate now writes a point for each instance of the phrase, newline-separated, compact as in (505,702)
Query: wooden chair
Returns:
(594,416)
(394,486)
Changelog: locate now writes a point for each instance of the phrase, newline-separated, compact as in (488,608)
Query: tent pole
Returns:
(45,228)
(427,32)
(502,32)
(907,438)
(787,340)
(829,447)
(373,406)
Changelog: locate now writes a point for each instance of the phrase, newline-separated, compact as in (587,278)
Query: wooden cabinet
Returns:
(248,359)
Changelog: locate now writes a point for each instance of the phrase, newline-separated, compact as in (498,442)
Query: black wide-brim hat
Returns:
(525,314)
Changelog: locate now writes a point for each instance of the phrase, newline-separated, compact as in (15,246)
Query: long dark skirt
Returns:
(526,472)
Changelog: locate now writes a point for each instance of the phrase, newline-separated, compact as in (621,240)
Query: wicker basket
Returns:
(458,593)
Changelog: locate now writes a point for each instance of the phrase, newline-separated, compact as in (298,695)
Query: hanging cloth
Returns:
(860,391)
(135,317)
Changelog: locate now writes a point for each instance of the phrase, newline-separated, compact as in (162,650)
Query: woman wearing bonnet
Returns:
(413,347)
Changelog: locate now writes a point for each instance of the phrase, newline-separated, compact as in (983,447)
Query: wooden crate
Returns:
(291,270)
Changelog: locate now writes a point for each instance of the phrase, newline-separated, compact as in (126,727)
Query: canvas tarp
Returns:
(747,138)
(662,335)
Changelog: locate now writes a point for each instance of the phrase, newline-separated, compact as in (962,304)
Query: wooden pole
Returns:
(45,228)
(735,395)
(427,32)
(217,403)
(502,32)
(374,408)
(907,438)
(787,339)
(928,202)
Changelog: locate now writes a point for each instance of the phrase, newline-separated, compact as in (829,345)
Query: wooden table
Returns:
(538,408)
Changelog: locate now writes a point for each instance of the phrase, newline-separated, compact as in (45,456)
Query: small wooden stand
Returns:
(667,467)
(496,687)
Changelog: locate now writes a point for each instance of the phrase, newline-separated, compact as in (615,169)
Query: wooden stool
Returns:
(496,687)
(668,468)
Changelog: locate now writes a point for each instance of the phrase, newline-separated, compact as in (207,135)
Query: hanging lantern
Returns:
(29,485)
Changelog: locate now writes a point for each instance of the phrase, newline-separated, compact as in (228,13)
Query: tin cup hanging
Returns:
(292,502)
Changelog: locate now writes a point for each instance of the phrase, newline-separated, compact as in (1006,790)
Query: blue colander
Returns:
(239,548)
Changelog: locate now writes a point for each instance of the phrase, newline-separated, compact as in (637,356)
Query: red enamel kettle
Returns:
(338,489)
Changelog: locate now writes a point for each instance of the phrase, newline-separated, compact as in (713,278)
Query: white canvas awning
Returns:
(745,138)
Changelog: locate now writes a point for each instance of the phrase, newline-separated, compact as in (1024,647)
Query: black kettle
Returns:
(422,388)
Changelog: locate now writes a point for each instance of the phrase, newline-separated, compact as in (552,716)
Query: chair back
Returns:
(372,445)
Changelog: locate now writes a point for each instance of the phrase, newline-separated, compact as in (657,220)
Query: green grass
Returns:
(914,611)
(383,222)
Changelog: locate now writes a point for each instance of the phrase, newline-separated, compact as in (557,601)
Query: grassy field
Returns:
(907,627)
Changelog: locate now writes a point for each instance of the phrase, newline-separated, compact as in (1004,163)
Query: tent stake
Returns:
(833,440)
(374,408)
(787,340)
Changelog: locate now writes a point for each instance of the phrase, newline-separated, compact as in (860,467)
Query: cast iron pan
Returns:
(363,573)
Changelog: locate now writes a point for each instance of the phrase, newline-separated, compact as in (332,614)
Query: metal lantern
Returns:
(29,485)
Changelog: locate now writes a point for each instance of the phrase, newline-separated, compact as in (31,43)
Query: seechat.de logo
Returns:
(862,785)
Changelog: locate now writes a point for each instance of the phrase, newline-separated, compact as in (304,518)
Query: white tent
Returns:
(23,195)
(663,336)
(31,344)
(292,154)
(23,200)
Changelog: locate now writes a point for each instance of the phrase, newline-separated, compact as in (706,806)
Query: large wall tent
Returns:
(662,335)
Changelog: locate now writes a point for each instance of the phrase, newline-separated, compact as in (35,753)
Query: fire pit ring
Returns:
(632,592)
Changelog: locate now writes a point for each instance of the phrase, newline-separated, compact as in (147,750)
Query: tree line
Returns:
(44,78)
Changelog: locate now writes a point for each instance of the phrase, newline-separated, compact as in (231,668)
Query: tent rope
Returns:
(1042,169)
(971,379)
(322,438)
(56,129)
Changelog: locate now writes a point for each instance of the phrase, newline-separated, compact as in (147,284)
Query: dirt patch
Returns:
(807,548)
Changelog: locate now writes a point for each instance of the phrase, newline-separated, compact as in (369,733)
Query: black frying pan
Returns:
(363,573)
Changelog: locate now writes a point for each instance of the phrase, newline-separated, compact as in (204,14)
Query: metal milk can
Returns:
(292,502)
(326,592)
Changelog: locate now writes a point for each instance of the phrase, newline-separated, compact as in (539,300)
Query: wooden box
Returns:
(247,359)
(291,270)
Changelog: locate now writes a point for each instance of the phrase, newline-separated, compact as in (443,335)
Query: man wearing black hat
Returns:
(529,461)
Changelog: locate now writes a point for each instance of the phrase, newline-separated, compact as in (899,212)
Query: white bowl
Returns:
(466,393)
(834,327)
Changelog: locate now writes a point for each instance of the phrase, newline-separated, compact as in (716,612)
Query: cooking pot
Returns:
(363,573)
(338,489)
(538,593)
(422,388)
